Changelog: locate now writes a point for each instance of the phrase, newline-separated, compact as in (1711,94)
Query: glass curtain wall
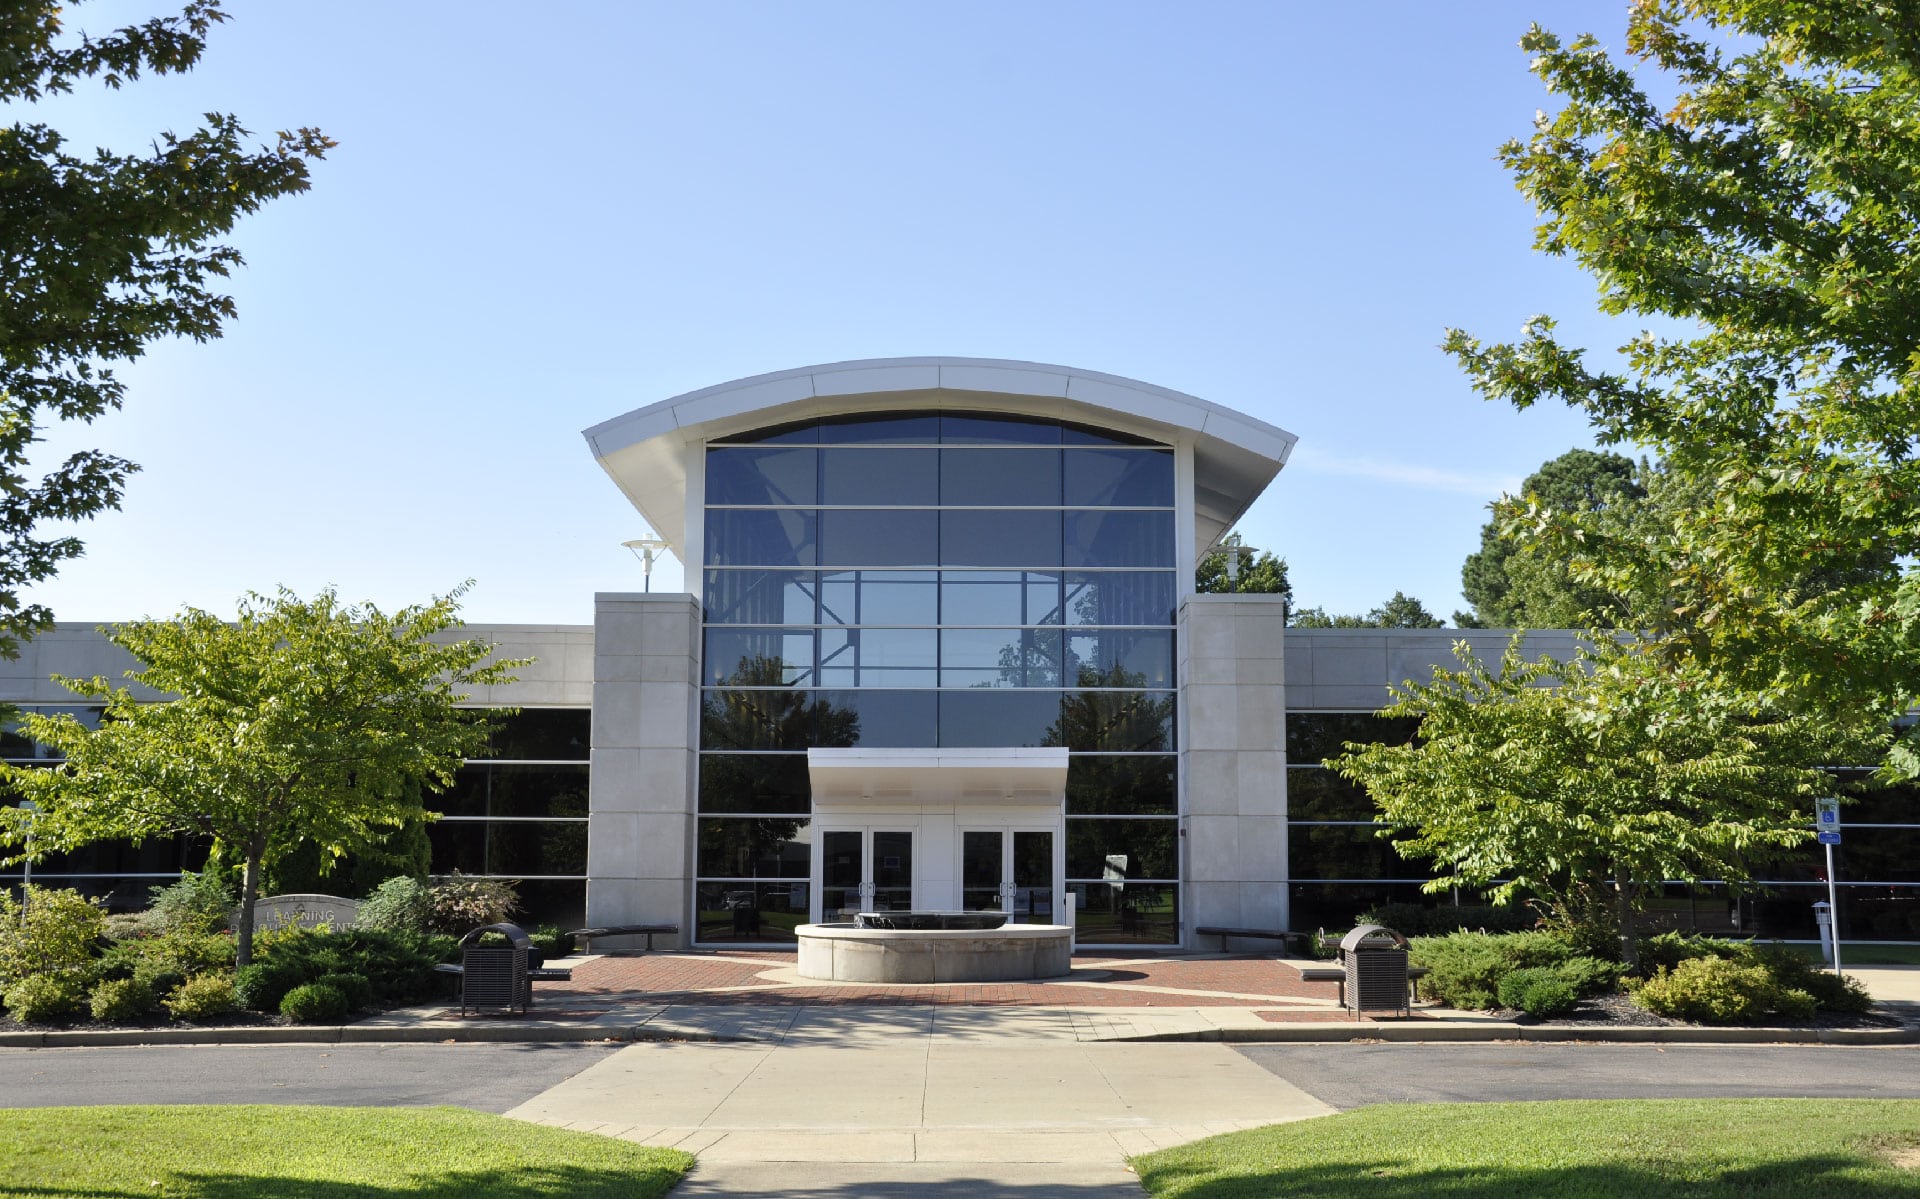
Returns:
(935,580)
(1339,866)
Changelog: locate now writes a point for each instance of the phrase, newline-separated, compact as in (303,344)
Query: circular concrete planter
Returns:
(1014,953)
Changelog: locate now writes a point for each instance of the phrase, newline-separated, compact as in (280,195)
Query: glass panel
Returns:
(458,845)
(1072,434)
(754,847)
(1340,905)
(880,597)
(1117,850)
(999,658)
(537,791)
(1000,478)
(1003,597)
(864,657)
(1120,597)
(759,657)
(466,797)
(1116,721)
(804,432)
(1129,914)
(759,596)
(880,476)
(1317,794)
(892,871)
(857,537)
(956,429)
(1137,657)
(16,747)
(980,854)
(917,429)
(791,719)
(784,478)
(1003,538)
(760,537)
(1119,478)
(1346,851)
(751,912)
(523,847)
(561,734)
(998,718)
(1121,786)
(755,783)
(1119,539)
(887,719)
(1313,737)
(1033,877)
(558,902)
(840,872)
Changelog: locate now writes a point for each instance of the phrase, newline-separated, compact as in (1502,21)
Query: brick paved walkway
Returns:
(761,977)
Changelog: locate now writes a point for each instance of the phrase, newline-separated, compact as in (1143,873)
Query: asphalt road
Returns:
(489,1078)
(1348,1076)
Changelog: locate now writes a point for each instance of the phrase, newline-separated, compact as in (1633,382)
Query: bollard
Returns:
(1823,920)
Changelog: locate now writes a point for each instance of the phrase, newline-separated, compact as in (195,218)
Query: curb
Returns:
(1543,1034)
(346,1035)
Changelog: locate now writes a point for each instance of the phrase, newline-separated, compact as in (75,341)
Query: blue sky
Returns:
(542,216)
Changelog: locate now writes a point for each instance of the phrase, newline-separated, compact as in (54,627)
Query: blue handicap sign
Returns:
(1827,838)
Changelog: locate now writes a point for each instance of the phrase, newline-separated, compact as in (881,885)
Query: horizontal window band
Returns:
(449,819)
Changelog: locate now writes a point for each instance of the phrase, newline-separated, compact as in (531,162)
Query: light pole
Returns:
(646,549)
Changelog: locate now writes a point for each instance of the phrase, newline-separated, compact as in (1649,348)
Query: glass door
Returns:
(1008,870)
(865,870)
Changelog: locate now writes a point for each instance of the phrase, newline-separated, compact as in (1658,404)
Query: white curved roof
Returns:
(645,451)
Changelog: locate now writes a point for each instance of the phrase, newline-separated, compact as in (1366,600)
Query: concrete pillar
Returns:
(646,701)
(1233,761)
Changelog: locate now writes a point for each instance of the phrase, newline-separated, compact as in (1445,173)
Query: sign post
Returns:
(1826,824)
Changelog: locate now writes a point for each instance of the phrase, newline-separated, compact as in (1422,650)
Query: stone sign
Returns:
(307,911)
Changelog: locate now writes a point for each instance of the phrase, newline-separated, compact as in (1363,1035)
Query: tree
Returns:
(104,255)
(1255,571)
(1583,783)
(303,721)
(1763,223)
(1513,584)
(1401,612)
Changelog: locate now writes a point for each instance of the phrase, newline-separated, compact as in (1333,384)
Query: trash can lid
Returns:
(513,932)
(1372,936)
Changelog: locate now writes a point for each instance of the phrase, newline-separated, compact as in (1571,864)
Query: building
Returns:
(940,648)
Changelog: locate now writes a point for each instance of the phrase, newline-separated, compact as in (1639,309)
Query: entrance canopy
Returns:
(941,775)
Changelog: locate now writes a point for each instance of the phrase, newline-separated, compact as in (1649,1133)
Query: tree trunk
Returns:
(249,888)
(1623,915)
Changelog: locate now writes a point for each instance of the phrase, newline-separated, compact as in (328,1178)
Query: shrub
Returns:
(551,942)
(121,1000)
(1836,992)
(51,998)
(1716,990)
(357,991)
(162,982)
(1418,920)
(1666,951)
(398,967)
(399,905)
(314,1003)
(1465,969)
(189,953)
(198,903)
(261,986)
(47,931)
(1539,991)
(201,997)
(463,903)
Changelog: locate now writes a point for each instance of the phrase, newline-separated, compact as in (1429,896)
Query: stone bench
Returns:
(1291,940)
(648,931)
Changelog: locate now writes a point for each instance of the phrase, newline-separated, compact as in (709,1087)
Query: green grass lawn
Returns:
(1643,1149)
(270,1152)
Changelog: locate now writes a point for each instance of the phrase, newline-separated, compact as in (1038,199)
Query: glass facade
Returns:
(1339,866)
(520,814)
(938,580)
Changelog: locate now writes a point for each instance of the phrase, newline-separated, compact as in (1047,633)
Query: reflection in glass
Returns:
(789,720)
(1119,478)
(1313,737)
(737,783)
(999,658)
(527,790)
(879,476)
(892,870)
(760,537)
(971,719)
(1002,597)
(1119,539)
(980,864)
(999,478)
(542,734)
(1120,597)
(1121,785)
(759,657)
(1143,654)
(862,537)
(959,429)
(912,428)
(1114,721)
(1123,849)
(786,478)
(1127,914)
(754,847)
(736,910)
(522,847)
(842,870)
(867,657)
(888,719)
(759,597)
(1032,876)
(1314,793)
(1016,538)
(879,597)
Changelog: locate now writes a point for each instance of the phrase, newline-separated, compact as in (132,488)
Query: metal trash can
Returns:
(1375,959)
(495,975)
